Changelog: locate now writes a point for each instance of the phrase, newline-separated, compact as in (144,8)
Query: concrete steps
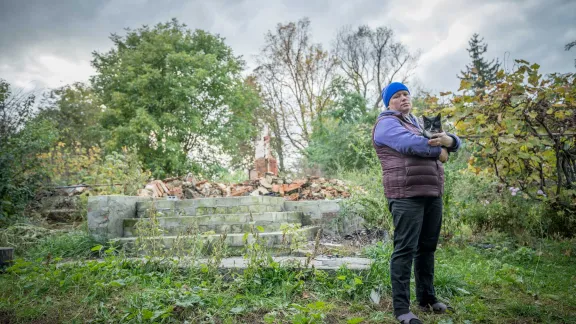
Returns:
(180,223)
(218,223)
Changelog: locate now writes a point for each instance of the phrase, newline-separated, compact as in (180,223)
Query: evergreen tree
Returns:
(569,46)
(479,72)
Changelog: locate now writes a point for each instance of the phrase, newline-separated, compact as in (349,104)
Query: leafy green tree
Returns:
(479,72)
(343,140)
(22,138)
(76,111)
(176,95)
(523,127)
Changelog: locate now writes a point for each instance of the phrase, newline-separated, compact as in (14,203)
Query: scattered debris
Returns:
(359,238)
(310,188)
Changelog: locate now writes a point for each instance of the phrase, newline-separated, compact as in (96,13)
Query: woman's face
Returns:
(401,101)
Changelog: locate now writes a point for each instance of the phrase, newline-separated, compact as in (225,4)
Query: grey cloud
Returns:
(535,31)
(29,22)
(71,30)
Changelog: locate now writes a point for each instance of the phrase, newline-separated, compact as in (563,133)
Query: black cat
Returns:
(432,125)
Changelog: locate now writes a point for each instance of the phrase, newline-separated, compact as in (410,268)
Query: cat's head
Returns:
(433,124)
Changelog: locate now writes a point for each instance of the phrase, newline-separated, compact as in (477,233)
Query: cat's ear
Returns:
(438,116)
(425,118)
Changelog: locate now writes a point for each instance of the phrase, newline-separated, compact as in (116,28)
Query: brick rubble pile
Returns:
(310,188)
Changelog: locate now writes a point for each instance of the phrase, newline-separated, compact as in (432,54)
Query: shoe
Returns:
(409,318)
(437,307)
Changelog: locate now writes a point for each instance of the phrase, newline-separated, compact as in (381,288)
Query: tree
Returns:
(479,72)
(76,111)
(370,59)
(569,46)
(523,129)
(174,95)
(15,109)
(22,138)
(346,129)
(295,77)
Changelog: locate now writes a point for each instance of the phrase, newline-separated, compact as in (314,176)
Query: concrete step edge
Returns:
(264,234)
(220,215)
(320,262)
(218,228)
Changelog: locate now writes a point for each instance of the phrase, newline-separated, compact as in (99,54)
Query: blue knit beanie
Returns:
(390,90)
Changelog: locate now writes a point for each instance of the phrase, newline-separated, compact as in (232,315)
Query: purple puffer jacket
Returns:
(410,167)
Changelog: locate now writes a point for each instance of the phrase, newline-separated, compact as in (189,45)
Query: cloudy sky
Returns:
(47,44)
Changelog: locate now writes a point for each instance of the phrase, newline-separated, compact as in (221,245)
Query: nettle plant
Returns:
(524,128)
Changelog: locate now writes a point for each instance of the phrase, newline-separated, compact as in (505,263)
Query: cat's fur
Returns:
(432,125)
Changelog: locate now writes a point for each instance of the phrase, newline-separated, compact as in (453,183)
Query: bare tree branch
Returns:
(369,59)
(295,76)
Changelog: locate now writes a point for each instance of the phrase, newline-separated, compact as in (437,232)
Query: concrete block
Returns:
(187,211)
(205,211)
(187,203)
(257,208)
(106,215)
(243,209)
(329,205)
(206,202)
(162,207)
(249,200)
(228,201)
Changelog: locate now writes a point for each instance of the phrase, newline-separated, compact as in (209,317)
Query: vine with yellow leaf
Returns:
(523,130)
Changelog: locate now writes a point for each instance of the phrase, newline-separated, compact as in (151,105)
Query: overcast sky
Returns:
(47,44)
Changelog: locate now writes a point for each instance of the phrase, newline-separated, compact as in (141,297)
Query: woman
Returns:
(413,178)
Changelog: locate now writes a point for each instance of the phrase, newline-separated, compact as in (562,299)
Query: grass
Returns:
(498,283)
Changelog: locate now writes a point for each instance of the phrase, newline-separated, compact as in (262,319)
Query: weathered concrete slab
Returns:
(238,264)
(271,239)
(106,215)
(225,223)
(210,206)
(319,262)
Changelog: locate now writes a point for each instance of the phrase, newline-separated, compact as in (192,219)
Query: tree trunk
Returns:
(6,257)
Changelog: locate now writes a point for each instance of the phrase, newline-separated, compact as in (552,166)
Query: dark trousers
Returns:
(417,223)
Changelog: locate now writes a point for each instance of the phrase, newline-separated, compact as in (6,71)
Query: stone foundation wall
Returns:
(106,213)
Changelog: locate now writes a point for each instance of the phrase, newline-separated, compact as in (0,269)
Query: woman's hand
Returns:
(441,139)
(443,155)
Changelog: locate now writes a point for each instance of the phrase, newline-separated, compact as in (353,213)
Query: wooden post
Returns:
(6,257)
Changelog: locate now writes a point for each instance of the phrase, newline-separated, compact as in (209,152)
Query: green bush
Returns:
(20,177)
(342,136)
(367,198)
(485,204)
